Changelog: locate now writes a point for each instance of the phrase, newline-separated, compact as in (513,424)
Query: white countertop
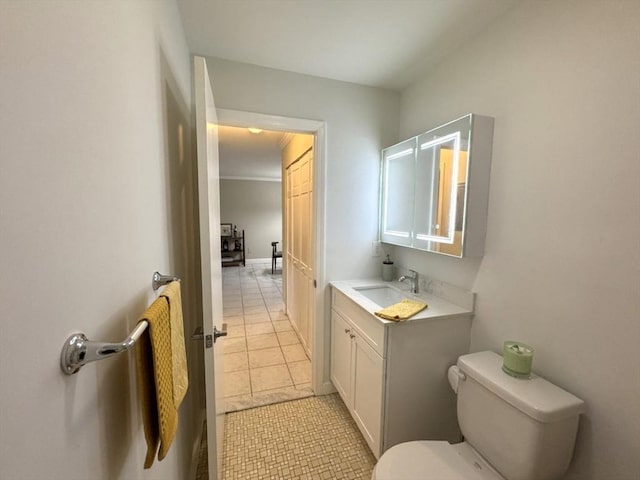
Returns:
(437,307)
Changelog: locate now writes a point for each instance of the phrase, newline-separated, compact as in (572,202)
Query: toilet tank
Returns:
(525,428)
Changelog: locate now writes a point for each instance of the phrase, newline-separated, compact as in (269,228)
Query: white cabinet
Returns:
(368,376)
(435,188)
(341,340)
(357,371)
(393,376)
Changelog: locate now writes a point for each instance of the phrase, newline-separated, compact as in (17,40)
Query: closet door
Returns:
(292,242)
(289,254)
(299,194)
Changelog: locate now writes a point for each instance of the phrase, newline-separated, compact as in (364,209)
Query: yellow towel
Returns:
(155,381)
(178,353)
(401,311)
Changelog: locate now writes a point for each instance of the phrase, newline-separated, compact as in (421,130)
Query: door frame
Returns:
(320,381)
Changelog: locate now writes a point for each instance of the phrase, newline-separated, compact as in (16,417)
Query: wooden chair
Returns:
(275,254)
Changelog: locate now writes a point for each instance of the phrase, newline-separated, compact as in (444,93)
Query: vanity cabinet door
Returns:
(368,376)
(341,356)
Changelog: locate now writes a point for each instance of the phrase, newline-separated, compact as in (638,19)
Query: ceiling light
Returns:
(255,130)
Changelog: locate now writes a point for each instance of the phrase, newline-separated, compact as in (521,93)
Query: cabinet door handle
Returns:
(352,335)
(346,330)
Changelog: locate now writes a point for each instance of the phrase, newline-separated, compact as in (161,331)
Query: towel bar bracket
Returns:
(159,280)
(78,350)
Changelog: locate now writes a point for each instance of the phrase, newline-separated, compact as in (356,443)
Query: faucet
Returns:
(414,281)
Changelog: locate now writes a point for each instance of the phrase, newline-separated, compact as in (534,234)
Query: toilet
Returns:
(514,429)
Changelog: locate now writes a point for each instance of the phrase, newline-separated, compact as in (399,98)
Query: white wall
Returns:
(360,120)
(562,265)
(256,207)
(95,194)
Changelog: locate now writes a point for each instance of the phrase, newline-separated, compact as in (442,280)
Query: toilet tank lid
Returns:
(538,398)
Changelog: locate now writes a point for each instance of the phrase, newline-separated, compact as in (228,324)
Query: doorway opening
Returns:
(268,312)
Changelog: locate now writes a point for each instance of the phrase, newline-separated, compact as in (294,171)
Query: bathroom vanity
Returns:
(393,375)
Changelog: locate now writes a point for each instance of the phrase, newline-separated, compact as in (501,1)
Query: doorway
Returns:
(265,361)
(316,302)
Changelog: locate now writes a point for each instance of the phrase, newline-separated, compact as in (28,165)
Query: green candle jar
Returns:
(517,359)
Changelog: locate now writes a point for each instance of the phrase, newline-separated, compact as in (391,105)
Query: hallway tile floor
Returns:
(264,361)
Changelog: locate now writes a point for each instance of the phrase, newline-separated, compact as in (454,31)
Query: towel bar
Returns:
(78,350)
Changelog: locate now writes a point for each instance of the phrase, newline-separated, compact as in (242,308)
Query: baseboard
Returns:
(258,260)
(326,388)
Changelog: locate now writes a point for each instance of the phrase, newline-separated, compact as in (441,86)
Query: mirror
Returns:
(398,192)
(426,185)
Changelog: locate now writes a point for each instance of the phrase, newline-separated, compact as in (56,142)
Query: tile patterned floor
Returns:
(311,439)
(264,361)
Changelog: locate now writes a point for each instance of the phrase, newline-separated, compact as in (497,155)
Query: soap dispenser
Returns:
(387,270)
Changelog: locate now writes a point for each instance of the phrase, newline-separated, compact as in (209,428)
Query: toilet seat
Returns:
(431,460)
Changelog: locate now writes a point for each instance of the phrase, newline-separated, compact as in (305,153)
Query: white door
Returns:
(209,207)
(368,373)
(300,249)
(341,346)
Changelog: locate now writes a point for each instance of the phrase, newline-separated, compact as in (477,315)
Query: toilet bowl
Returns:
(433,460)
(514,428)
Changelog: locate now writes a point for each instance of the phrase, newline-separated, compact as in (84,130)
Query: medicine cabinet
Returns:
(435,188)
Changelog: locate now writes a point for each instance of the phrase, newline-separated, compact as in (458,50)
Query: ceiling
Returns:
(380,43)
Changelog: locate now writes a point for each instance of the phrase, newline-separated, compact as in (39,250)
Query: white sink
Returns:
(382,295)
